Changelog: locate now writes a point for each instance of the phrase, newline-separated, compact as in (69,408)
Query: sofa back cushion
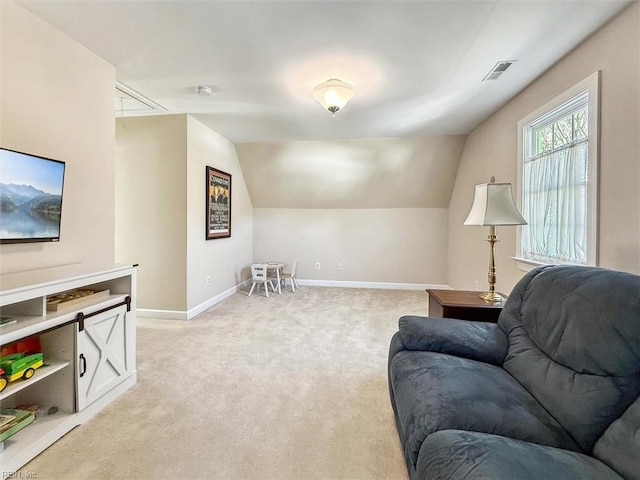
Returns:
(619,446)
(574,344)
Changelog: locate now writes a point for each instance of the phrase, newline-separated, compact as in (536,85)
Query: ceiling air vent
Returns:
(498,70)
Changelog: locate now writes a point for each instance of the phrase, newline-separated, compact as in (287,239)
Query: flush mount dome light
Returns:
(333,94)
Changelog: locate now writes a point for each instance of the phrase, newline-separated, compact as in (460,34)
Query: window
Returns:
(557,179)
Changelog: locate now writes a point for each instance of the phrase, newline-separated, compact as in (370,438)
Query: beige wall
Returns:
(395,245)
(56,100)
(151,206)
(378,206)
(226,260)
(491,150)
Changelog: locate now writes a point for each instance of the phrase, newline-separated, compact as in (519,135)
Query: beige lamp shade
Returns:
(493,205)
(333,94)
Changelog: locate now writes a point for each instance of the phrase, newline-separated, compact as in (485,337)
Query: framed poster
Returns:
(218,207)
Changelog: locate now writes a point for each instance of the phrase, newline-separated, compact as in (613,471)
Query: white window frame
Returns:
(590,85)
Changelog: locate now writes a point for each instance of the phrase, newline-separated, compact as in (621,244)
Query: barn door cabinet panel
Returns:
(88,346)
(105,354)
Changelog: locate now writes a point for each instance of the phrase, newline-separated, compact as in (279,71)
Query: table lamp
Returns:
(493,206)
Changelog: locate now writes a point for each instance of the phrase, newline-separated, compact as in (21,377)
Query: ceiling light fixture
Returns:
(333,94)
(204,91)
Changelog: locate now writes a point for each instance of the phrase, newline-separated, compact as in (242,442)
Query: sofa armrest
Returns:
(482,341)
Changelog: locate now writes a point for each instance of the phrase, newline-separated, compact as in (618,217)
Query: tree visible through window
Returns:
(557,182)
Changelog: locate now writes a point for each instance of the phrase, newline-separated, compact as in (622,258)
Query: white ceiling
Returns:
(417,66)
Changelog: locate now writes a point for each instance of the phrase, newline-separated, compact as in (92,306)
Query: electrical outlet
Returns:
(339,266)
(317,265)
(476,285)
(208,279)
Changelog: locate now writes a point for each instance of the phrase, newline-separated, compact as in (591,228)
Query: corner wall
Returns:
(56,101)
(160,214)
(491,150)
(151,205)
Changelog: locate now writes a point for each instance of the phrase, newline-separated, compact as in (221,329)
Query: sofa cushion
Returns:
(574,343)
(458,455)
(619,446)
(435,391)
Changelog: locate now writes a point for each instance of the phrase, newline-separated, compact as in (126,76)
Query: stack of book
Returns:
(13,420)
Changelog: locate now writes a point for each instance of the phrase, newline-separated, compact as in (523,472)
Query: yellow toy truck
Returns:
(18,365)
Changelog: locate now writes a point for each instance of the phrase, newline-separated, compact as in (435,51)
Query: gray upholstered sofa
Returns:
(549,392)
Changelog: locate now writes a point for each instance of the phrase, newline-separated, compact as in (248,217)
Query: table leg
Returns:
(278,277)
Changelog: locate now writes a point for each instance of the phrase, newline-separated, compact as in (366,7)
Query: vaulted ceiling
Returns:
(417,66)
(400,172)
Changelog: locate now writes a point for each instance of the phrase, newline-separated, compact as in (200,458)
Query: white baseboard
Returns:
(197,310)
(189,314)
(378,285)
(161,314)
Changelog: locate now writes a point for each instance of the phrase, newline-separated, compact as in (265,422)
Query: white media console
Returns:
(89,350)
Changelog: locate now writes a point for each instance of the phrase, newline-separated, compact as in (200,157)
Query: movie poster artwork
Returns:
(218,207)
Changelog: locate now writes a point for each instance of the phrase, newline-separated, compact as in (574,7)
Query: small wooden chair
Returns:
(259,277)
(291,276)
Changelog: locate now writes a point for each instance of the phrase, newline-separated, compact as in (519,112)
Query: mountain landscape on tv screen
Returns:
(28,212)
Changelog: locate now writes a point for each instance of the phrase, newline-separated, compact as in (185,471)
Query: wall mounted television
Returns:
(30,197)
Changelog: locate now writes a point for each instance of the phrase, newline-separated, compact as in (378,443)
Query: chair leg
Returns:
(293,284)
(252,287)
(266,289)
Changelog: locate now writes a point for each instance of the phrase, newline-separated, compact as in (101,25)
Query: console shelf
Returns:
(51,367)
(74,383)
(31,325)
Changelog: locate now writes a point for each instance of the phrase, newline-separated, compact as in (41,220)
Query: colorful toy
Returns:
(19,365)
(3,381)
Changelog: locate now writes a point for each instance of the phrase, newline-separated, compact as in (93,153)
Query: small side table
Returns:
(463,304)
(277,266)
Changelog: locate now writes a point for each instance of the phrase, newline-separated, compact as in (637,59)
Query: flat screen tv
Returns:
(30,197)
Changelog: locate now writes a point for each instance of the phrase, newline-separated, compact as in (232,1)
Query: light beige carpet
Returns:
(289,387)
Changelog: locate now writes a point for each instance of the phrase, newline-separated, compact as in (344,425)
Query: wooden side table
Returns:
(463,304)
